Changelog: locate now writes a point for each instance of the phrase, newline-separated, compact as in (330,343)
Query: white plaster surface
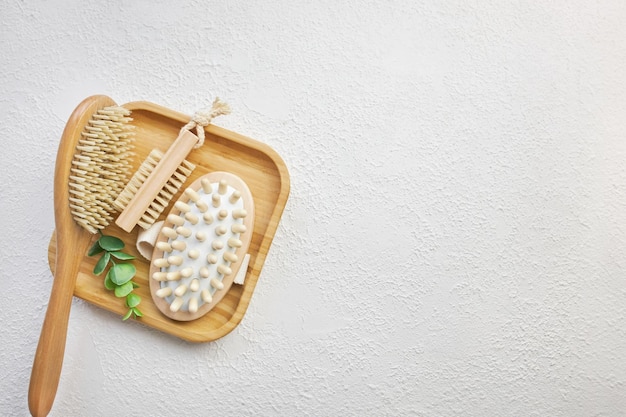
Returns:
(455,239)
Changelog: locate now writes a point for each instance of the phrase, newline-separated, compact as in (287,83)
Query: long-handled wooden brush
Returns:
(91,168)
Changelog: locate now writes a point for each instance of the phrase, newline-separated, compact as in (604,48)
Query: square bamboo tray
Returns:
(257,164)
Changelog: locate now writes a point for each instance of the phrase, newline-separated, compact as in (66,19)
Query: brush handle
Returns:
(72,243)
(151,187)
(48,361)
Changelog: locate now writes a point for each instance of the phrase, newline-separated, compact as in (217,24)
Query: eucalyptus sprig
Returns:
(119,278)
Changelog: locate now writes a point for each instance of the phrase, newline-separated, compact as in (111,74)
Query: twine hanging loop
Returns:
(203,118)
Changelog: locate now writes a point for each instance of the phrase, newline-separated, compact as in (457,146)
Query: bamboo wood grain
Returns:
(71,240)
(169,163)
(257,164)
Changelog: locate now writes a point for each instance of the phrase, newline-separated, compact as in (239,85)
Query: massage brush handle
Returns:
(71,244)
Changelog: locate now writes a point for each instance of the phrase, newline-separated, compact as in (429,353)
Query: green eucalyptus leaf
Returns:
(111,243)
(122,273)
(132,300)
(123,290)
(122,256)
(128,313)
(102,263)
(95,249)
(137,312)
(108,284)
(135,285)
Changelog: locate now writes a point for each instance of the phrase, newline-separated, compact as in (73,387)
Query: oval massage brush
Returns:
(202,246)
(91,169)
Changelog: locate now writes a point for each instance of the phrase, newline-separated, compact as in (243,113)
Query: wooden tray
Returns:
(257,164)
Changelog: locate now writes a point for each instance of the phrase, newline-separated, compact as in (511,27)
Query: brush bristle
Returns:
(164,197)
(100,167)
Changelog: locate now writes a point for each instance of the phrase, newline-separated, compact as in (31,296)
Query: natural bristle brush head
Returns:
(201,246)
(100,167)
(165,194)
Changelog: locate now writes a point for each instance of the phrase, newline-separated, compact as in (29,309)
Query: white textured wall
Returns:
(455,238)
